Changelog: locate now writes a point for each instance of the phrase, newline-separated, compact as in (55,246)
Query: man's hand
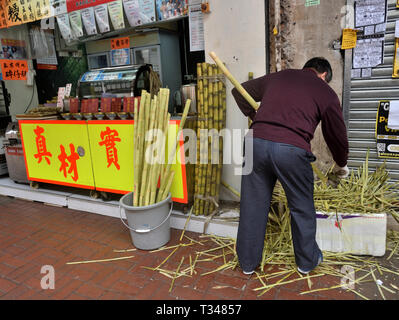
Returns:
(341,172)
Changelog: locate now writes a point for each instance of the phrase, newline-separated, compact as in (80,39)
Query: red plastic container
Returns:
(74,105)
(116,104)
(106,104)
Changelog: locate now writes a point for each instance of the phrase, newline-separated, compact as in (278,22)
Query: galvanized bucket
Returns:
(149,225)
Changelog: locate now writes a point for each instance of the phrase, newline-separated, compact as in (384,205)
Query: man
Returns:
(293,102)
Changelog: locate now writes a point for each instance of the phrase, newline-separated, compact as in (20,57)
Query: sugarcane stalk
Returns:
(204,138)
(200,98)
(235,83)
(209,116)
(140,125)
(150,114)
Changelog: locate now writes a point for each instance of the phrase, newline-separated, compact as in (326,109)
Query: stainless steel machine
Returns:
(15,154)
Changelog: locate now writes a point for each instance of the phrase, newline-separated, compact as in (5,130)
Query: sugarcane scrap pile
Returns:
(278,266)
(363,192)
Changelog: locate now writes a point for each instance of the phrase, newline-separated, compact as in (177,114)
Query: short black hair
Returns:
(321,65)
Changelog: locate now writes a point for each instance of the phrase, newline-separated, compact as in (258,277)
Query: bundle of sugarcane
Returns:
(150,169)
(211,108)
(363,192)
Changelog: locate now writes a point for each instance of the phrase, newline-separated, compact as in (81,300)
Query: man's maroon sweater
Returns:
(293,102)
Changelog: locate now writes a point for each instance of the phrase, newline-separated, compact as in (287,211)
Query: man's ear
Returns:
(322,76)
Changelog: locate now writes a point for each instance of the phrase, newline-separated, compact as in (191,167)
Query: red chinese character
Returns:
(64,158)
(41,146)
(109,137)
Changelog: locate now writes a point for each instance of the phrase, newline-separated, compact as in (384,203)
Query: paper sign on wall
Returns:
(14,69)
(89,21)
(196,28)
(395,73)
(116,14)
(310,3)
(370,12)
(368,53)
(349,38)
(76,24)
(101,13)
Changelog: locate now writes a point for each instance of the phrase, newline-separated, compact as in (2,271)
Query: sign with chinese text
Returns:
(3,18)
(14,69)
(73,5)
(120,43)
(112,147)
(91,154)
(57,152)
(43,9)
(13,12)
(349,38)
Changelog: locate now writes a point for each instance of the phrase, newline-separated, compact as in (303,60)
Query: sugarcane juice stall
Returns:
(92,146)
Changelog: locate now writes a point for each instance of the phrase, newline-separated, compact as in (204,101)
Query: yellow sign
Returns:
(42,9)
(395,73)
(107,160)
(349,38)
(112,148)
(57,152)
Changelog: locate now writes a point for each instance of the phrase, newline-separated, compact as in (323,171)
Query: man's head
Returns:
(322,68)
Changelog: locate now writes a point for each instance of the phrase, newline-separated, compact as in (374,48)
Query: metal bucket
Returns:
(189,91)
(149,225)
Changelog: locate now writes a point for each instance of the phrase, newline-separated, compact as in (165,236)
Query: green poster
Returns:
(309,3)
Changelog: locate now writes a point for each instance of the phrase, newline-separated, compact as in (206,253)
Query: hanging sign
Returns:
(387,139)
(116,14)
(73,5)
(65,27)
(42,9)
(76,24)
(101,13)
(28,11)
(147,10)
(58,7)
(3,19)
(349,38)
(132,11)
(14,69)
(89,21)
(13,13)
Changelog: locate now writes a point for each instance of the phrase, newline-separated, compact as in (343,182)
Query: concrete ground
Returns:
(33,235)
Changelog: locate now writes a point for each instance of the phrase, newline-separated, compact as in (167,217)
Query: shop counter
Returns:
(96,155)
